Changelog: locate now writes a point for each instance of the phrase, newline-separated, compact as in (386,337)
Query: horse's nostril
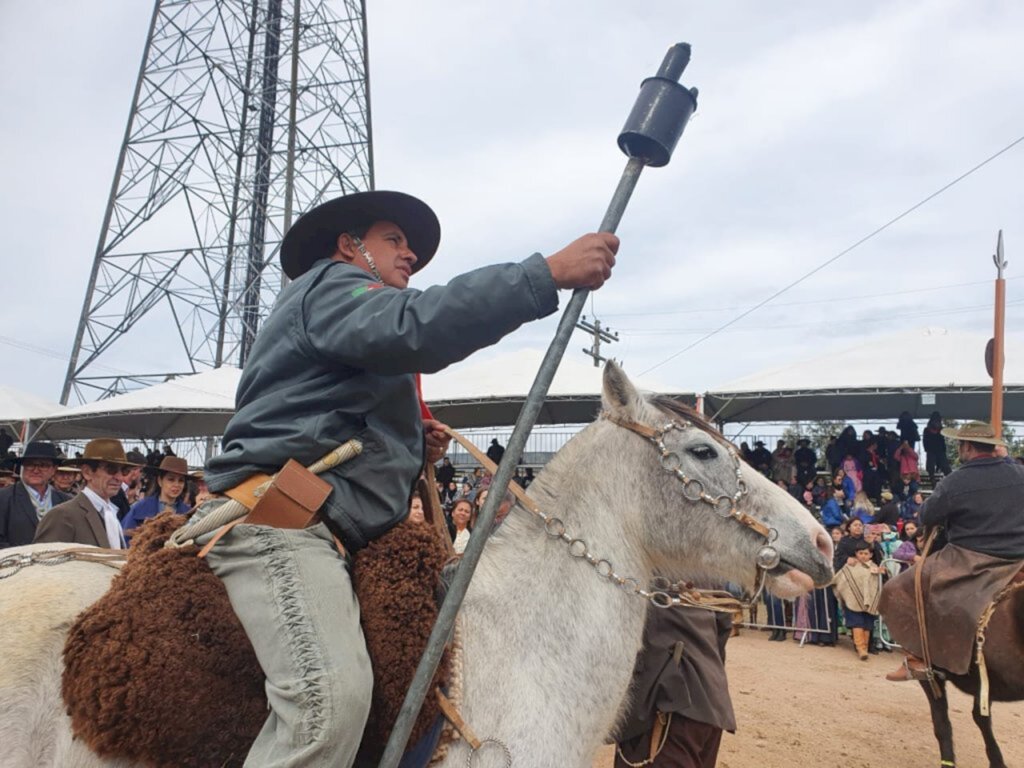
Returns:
(823,543)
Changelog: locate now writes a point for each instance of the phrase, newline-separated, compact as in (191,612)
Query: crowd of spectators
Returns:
(866,491)
(462,494)
(42,477)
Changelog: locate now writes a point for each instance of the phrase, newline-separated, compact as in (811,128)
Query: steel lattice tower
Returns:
(244,110)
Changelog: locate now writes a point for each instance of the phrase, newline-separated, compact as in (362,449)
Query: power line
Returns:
(899,316)
(839,255)
(809,302)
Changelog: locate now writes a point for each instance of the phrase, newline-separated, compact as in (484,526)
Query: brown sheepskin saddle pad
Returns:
(958,584)
(160,671)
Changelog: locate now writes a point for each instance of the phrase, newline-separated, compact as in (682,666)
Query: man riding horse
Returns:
(339,358)
(981,508)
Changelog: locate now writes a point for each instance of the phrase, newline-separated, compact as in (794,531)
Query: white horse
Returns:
(549,640)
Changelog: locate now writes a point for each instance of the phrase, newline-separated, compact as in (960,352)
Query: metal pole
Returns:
(289,179)
(997,340)
(649,137)
(517,442)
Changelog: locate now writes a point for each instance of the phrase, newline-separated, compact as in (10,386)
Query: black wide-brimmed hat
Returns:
(314,236)
(39,450)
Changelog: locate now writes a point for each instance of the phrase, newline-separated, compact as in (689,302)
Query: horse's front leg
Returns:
(992,751)
(940,722)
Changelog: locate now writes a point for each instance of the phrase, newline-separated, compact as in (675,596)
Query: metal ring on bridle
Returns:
(670,461)
(554,527)
(495,742)
(693,490)
(723,506)
(661,599)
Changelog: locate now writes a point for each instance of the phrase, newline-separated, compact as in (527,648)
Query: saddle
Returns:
(959,585)
(150,666)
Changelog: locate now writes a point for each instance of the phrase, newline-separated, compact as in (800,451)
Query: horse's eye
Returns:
(703,452)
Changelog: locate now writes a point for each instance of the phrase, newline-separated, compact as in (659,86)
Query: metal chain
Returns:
(12,564)
(664,595)
(498,743)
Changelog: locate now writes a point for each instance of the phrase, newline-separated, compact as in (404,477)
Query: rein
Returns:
(662,593)
(11,564)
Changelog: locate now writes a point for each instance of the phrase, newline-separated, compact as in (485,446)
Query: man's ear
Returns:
(346,247)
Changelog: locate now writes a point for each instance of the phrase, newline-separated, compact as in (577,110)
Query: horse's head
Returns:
(704,513)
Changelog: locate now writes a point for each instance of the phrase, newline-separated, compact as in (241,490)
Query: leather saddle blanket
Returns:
(958,584)
(160,671)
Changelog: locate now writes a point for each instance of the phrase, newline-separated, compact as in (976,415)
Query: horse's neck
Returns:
(549,645)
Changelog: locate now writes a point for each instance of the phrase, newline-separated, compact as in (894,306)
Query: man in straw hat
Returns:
(339,358)
(23,504)
(981,507)
(91,517)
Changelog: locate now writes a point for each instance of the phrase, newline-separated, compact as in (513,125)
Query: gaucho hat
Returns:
(105,449)
(173,464)
(39,450)
(315,234)
(974,432)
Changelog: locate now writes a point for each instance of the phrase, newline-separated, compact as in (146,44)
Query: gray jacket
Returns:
(337,359)
(981,505)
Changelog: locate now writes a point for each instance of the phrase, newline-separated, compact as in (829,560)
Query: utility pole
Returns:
(600,334)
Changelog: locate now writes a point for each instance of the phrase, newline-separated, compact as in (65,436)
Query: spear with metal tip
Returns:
(650,135)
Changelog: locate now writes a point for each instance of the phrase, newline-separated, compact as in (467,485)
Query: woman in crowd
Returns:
(478,504)
(911,508)
(462,514)
(862,508)
(845,484)
(166,494)
(853,534)
(416,509)
(909,550)
(448,495)
(908,429)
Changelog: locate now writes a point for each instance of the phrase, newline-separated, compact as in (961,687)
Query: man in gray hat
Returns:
(339,358)
(981,507)
(23,504)
(981,504)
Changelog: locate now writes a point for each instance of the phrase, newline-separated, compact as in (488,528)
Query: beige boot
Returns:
(860,642)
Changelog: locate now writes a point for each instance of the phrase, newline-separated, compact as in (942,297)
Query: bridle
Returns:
(723,505)
(662,593)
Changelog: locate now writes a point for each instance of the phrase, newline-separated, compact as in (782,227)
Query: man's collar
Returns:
(97,501)
(37,494)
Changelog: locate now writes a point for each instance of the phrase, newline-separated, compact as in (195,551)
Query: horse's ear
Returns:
(619,396)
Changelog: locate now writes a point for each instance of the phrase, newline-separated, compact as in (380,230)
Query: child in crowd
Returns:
(863,508)
(832,512)
(858,588)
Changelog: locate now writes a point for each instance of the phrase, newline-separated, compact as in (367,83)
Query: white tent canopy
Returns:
(188,406)
(919,371)
(484,392)
(490,391)
(17,407)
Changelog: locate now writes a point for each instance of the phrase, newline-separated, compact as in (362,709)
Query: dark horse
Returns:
(1004,659)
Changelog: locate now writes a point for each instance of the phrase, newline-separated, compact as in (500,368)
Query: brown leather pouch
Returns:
(292,500)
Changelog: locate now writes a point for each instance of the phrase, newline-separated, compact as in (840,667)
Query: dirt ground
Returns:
(816,707)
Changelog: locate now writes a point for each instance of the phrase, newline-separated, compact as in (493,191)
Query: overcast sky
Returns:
(817,123)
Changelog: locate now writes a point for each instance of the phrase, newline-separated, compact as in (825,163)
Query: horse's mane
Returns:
(676,407)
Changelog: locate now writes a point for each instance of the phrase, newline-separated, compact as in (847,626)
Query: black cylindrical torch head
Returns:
(661,112)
